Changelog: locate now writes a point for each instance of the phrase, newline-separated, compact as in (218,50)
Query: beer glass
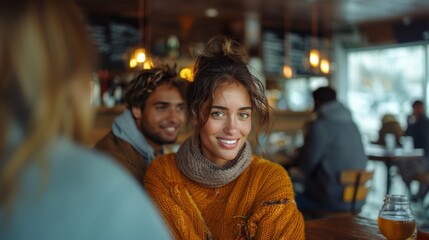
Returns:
(395,219)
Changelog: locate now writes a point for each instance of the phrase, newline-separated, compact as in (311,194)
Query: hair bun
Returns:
(222,46)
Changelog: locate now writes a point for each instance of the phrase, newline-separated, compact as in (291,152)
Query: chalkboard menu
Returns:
(297,46)
(273,51)
(113,36)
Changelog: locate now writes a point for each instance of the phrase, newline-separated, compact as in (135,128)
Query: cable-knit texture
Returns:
(195,166)
(258,204)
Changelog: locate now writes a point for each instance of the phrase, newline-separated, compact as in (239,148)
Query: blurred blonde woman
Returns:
(389,124)
(50,186)
(213,187)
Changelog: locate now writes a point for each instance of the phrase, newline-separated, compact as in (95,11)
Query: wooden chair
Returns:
(356,187)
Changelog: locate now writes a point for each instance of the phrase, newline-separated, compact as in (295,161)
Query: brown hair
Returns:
(141,87)
(46,60)
(223,61)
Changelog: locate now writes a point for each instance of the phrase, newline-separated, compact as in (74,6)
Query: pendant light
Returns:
(139,57)
(287,67)
(314,57)
(314,54)
(325,65)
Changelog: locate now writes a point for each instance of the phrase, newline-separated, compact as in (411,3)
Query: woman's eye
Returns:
(217,114)
(244,115)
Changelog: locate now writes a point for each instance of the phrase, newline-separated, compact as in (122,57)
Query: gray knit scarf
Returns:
(198,168)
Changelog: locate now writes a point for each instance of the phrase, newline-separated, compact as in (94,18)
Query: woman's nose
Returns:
(230,125)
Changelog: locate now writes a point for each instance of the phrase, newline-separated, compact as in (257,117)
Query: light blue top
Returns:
(86,196)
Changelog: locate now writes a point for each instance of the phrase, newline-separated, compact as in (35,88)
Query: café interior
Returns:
(373,52)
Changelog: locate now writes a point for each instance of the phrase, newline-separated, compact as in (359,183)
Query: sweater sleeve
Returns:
(276,215)
(172,199)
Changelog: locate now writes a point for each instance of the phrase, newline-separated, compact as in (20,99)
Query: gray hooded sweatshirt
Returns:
(333,143)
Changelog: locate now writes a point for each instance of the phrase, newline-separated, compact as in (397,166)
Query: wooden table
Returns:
(344,228)
(379,153)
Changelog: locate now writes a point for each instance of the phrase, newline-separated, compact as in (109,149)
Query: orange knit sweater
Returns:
(259,204)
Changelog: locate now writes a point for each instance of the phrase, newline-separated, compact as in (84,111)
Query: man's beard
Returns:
(156,138)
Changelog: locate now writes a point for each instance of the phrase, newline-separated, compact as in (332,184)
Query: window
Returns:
(296,93)
(384,80)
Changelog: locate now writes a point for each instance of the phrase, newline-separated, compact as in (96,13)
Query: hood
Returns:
(124,127)
(334,111)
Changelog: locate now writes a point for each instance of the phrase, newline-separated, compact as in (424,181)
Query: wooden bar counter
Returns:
(342,227)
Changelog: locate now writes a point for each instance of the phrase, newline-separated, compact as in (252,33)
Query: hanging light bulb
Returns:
(324,66)
(148,64)
(133,63)
(186,73)
(287,71)
(314,57)
(140,55)
(139,59)
(287,67)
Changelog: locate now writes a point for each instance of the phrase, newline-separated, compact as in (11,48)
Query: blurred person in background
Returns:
(332,144)
(418,129)
(389,124)
(213,187)
(155,113)
(51,187)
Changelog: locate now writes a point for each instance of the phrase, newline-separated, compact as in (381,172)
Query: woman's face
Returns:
(228,125)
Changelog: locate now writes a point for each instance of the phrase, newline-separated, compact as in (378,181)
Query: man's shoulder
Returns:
(106,141)
(111,143)
(425,119)
(318,125)
(117,148)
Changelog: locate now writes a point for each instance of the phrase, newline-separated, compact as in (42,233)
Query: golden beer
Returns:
(396,228)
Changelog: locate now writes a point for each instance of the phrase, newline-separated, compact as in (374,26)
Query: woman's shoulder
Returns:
(265,166)
(94,176)
(73,162)
(164,165)
(70,155)
(165,157)
(164,161)
(87,185)
(263,162)
(267,175)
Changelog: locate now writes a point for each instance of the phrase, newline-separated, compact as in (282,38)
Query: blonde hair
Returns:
(46,59)
(387,118)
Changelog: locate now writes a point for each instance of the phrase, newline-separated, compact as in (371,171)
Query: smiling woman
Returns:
(214,188)
(228,125)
